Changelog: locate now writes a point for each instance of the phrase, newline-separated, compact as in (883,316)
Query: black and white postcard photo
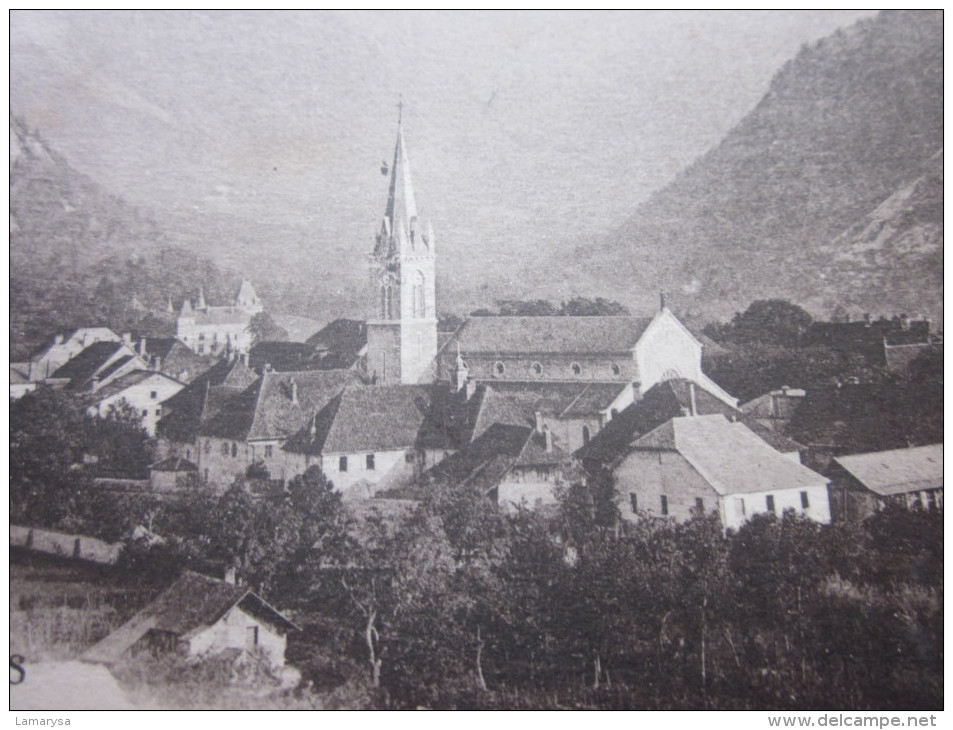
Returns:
(476,360)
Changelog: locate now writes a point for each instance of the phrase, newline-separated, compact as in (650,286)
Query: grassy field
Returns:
(60,607)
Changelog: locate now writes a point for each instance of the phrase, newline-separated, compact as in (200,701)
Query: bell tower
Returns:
(402,328)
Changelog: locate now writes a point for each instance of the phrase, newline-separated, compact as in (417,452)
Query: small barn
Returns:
(199,616)
(863,483)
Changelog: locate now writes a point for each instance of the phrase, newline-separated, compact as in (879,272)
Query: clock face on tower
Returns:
(388,278)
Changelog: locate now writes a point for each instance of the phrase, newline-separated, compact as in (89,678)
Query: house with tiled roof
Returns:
(861,484)
(713,464)
(665,400)
(775,409)
(142,390)
(513,465)
(365,438)
(173,357)
(63,347)
(254,424)
(96,365)
(199,401)
(200,617)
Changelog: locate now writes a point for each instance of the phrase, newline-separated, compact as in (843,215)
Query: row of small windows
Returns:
(700,503)
(499,368)
(369,464)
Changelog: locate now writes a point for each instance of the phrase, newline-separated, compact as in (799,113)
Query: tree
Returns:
(599,307)
(771,321)
(264,329)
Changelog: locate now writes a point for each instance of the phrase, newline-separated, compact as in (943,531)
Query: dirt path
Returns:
(68,686)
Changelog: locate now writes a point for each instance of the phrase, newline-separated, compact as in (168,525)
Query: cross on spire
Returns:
(400,107)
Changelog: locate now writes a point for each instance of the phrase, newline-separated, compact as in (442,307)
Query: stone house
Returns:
(712,463)
(861,484)
(200,617)
(254,424)
(168,474)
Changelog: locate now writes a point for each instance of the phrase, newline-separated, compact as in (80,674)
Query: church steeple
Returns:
(402,335)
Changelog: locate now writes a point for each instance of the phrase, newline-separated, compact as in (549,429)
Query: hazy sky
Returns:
(521,127)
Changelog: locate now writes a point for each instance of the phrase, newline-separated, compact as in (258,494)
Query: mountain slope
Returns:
(844,126)
(78,255)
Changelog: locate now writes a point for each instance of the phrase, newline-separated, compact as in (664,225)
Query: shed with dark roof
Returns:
(199,616)
(864,483)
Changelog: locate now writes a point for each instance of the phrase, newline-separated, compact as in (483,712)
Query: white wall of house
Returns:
(359,481)
(145,397)
(648,476)
(236,630)
(535,488)
(738,508)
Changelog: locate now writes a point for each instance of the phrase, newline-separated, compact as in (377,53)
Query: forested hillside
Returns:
(827,192)
(79,255)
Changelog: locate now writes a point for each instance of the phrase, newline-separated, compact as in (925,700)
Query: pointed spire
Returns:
(186,308)
(169,307)
(400,217)
(201,304)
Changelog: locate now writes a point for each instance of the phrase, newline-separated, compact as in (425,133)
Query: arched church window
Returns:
(537,369)
(616,370)
(499,368)
(670,375)
(576,368)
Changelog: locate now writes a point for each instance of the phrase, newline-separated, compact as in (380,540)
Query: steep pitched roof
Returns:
(728,455)
(82,367)
(454,420)
(277,405)
(897,471)
(366,418)
(127,381)
(665,400)
(191,604)
(204,397)
(401,210)
(18,373)
(492,455)
(550,335)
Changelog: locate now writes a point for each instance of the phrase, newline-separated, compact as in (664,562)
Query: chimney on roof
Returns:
(294,392)
(142,347)
(548,435)
(127,337)
(470,386)
(58,340)
(539,422)
(867,317)
(244,357)
(691,399)
(267,367)
(157,363)
(229,576)
(94,383)
(904,322)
